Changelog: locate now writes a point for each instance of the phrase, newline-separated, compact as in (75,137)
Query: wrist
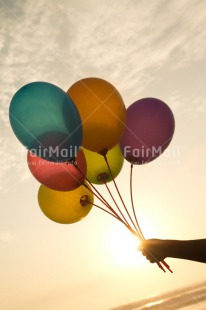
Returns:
(172,248)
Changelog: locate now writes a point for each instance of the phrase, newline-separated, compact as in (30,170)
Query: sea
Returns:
(187,298)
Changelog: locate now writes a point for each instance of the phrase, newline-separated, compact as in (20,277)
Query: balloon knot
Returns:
(84,200)
(102,177)
(104,152)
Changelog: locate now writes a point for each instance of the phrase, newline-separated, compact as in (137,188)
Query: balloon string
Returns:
(159,263)
(106,205)
(95,205)
(132,202)
(115,184)
(140,231)
(118,218)
(114,214)
(166,265)
(103,200)
(100,197)
(94,188)
(116,204)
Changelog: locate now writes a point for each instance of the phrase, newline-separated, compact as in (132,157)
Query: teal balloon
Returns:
(46,121)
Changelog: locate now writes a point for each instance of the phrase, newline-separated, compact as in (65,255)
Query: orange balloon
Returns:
(102,111)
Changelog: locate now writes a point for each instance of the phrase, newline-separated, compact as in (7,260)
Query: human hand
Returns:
(154,250)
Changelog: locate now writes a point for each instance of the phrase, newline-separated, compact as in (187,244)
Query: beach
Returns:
(188,298)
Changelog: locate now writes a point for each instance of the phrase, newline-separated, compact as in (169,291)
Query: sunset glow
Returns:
(146,49)
(123,248)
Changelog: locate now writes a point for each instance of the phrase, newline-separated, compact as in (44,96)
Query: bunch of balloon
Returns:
(144,131)
(79,140)
(46,121)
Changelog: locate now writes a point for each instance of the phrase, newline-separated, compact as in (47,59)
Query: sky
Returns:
(151,48)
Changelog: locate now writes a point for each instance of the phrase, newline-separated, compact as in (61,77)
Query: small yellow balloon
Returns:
(102,112)
(97,170)
(65,207)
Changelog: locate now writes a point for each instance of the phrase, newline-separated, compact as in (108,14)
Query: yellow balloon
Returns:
(97,169)
(65,207)
(102,111)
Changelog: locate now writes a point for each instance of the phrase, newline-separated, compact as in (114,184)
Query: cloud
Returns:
(126,43)
(143,49)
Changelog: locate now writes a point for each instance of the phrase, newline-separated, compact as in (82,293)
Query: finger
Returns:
(144,253)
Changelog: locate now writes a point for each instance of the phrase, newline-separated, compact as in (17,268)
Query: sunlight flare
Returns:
(123,248)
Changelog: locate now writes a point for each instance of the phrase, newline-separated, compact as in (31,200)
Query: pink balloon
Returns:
(57,176)
(149,130)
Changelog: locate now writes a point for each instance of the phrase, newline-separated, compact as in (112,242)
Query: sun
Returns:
(123,247)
